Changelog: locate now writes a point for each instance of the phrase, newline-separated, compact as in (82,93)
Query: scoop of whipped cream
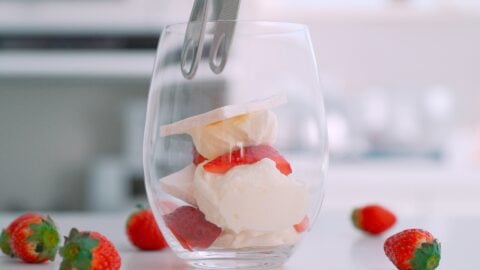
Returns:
(254,197)
(221,137)
(249,238)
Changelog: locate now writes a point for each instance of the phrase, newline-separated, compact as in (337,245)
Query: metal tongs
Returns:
(225,12)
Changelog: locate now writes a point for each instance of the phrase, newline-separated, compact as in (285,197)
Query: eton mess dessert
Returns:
(239,190)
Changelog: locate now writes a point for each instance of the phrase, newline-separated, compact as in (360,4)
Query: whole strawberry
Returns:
(35,239)
(413,249)
(5,237)
(373,219)
(143,232)
(88,251)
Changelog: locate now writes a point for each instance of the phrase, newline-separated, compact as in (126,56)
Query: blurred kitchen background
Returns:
(400,82)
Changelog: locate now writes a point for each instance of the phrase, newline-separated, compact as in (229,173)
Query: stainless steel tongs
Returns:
(226,14)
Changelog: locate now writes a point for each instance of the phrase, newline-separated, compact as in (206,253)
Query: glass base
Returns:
(265,258)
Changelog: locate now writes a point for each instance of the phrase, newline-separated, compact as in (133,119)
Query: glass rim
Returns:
(283,26)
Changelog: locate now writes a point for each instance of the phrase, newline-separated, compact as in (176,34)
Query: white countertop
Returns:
(332,243)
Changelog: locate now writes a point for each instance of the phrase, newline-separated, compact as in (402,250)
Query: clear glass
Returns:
(241,183)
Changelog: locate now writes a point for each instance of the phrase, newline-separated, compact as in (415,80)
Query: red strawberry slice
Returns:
(303,225)
(248,155)
(191,228)
(197,157)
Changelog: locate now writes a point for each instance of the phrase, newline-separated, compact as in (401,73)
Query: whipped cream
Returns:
(221,137)
(249,238)
(253,197)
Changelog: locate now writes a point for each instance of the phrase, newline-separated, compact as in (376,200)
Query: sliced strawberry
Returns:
(197,158)
(248,155)
(303,225)
(191,228)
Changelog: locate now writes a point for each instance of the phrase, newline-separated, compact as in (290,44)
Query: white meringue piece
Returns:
(221,114)
(180,184)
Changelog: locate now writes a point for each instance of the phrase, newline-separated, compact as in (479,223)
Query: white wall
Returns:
(51,130)
(399,49)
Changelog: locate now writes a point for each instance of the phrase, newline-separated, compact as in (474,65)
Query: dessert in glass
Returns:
(235,162)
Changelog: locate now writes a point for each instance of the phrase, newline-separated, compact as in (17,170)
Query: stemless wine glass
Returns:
(235,162)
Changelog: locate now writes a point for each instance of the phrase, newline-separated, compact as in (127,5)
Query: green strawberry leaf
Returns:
(66,265)
(356,218)
(77,251)
(45,238)
(5,243)
(426,257)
